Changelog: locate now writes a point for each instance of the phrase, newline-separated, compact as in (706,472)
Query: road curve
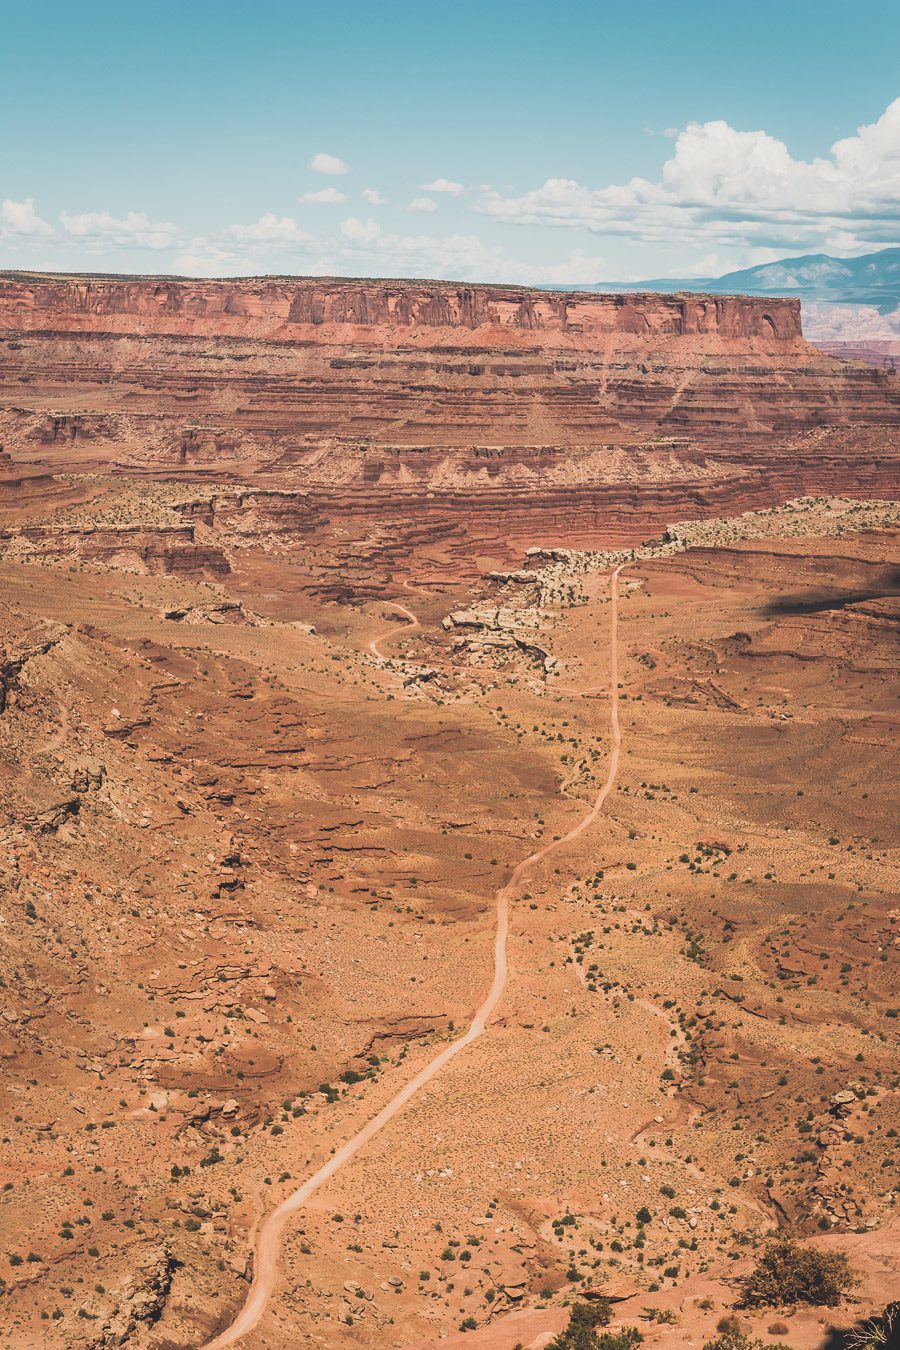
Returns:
(397,628)
(269,1235)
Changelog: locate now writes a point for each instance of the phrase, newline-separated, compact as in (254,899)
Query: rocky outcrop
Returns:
(500,634)
(19,644)
(381,313)
(138,1302)
(128,549)
(496,415)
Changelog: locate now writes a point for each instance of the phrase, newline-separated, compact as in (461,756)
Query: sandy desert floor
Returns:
(250,863)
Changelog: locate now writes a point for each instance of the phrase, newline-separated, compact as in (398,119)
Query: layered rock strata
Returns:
(515,415)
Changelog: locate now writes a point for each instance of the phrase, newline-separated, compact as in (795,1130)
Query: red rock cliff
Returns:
(384,313)
(532,415)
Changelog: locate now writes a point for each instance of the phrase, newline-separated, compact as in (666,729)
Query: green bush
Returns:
(787,1274)
(581,1333)
(623,1339)
(737,1340)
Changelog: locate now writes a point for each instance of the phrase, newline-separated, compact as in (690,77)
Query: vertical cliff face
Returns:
(383,313)
(513,409)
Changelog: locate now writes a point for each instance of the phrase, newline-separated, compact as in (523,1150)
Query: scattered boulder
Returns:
(139,1301)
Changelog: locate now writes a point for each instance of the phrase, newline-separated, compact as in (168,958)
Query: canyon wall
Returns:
(382,314)
(493,412)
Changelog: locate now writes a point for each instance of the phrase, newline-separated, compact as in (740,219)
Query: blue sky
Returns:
(494,140)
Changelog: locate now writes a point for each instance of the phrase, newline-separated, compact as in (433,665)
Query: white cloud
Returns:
(21,217)
(373,197)
(365,249)
(453,255)
(329,164)
(324,196)
(579,268)
(728,188)
(274,244)
(442,185)
(270,229)
(424,204)
(100,228)
(849,323)
(360,232)
(710,265)
(202,257)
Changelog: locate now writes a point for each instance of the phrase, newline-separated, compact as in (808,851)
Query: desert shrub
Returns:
(787,1273)
(881,1332)
(623,1339)
(737,1340)
(581,1333)
(729,1323)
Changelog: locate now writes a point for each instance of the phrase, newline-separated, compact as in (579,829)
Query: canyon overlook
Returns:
(447,847)
(523,414)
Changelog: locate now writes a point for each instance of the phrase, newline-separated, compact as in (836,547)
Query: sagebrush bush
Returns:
(624,1339)
(737,1340)
(582,1332)
(787,1274)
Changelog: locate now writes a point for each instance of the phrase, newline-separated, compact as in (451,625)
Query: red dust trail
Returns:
(398,628)
(269,1235)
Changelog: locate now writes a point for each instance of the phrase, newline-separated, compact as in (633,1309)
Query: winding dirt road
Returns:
(397,628)
(269,1235)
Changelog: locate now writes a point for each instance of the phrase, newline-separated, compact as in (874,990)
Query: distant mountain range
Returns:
(873,279)
(851,306)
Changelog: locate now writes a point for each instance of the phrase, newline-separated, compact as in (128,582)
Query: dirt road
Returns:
(397,628)
(269,1235)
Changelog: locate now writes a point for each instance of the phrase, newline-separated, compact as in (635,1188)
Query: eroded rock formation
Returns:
(380,313)
(306,643)
(514,416)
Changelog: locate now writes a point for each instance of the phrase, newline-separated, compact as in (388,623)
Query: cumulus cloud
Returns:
(329,164)
(373,197)
(424,204)
(454,255)
(849,323)
(710,265)
(577,269)
(724,187)
(270,229)
(365,248)
(359,231)
(324,197)
(100,228)
(203,257)
(442,185)
(21,217)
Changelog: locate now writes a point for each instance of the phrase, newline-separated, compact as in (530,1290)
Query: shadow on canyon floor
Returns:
(819,602)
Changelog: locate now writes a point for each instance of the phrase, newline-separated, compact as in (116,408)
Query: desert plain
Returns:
(329,612)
